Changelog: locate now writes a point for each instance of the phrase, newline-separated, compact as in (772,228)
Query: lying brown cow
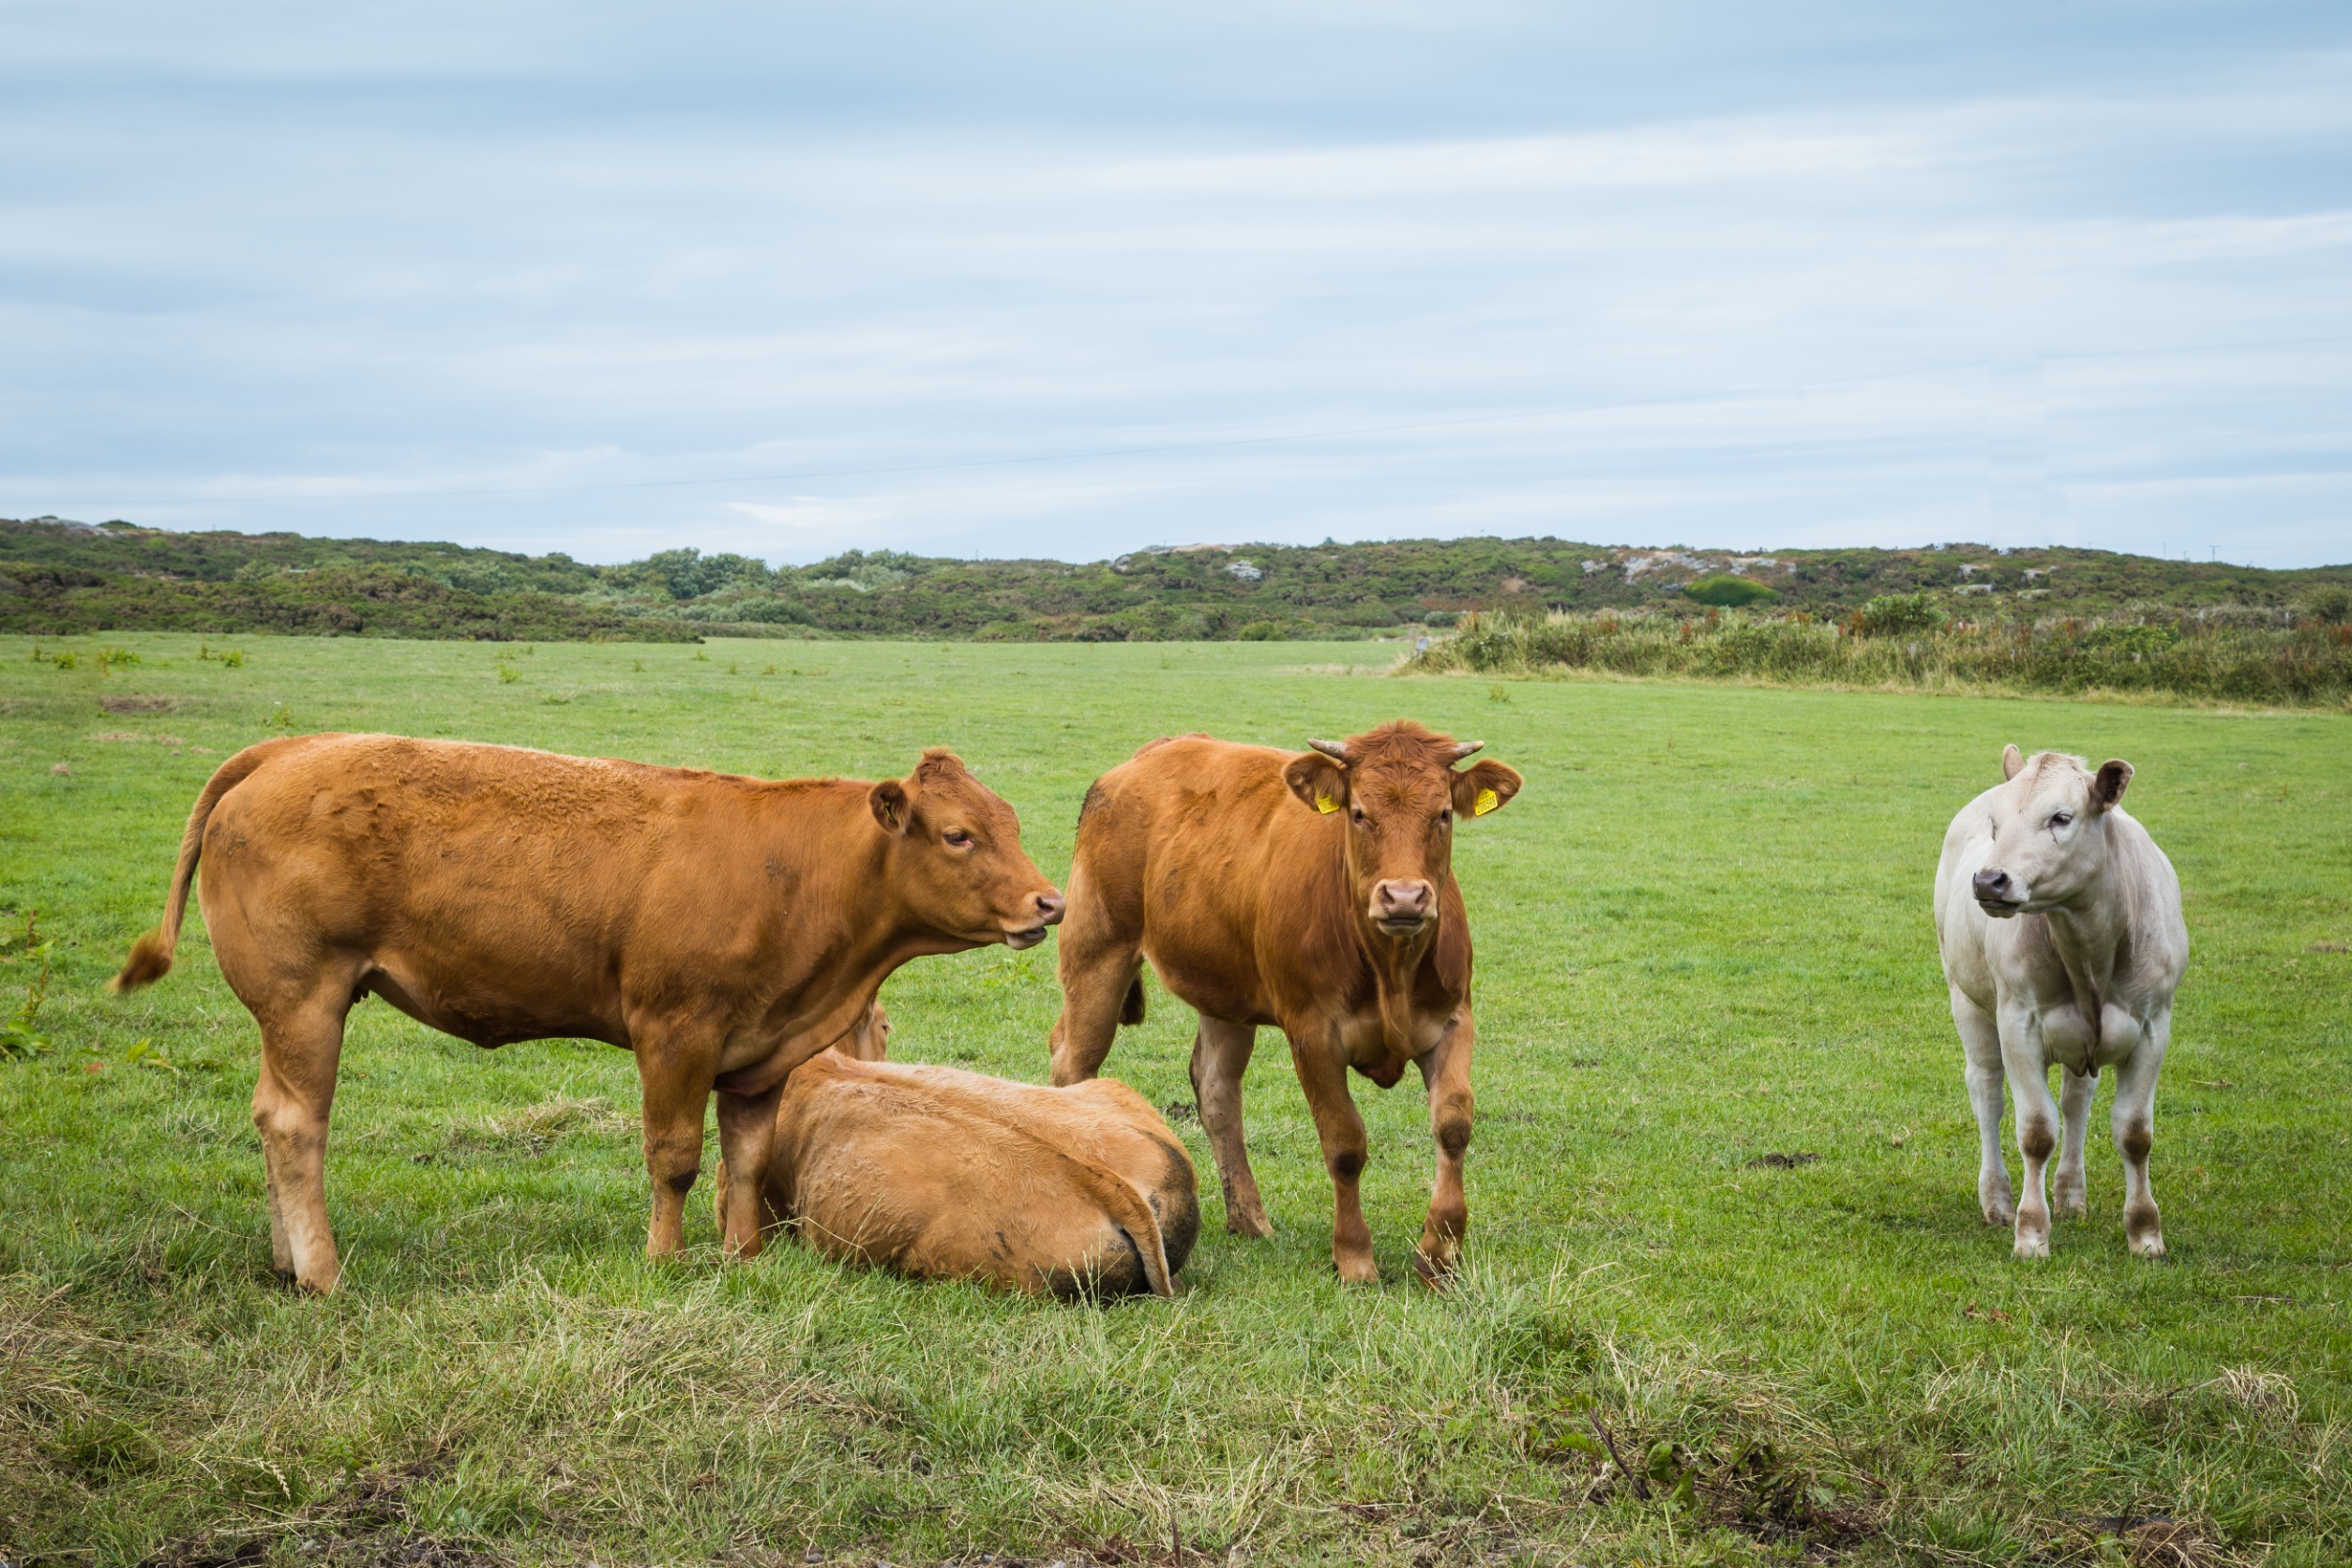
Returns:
(1313,892)
(724,930)
(941,1174)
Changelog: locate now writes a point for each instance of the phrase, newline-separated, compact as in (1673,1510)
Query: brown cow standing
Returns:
(722,928)
(1313,892)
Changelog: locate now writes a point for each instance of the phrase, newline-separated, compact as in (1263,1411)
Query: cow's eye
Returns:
(1361,820)
(2061,819)
(1445,817)
(957,838)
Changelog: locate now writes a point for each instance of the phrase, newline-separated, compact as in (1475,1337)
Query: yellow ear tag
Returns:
(1326,804)
(1488,800)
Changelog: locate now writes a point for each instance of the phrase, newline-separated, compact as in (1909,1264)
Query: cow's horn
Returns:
(1463,748)
(1331,749)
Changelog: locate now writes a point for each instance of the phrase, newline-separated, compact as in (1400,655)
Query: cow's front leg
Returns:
(1445,1069)
(747,1135)
(1220,1057)
(1981,1045)
(2037,1125)
(1322,1069)
(2069,1194)
(2135,1128)
(677,1094)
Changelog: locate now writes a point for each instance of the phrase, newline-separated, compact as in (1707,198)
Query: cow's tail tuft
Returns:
(1131,1009)
(1132,1213)
(151,956)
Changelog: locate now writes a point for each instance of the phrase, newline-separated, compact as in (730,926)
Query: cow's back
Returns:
(939,1173)
(1191,844)
(1963,930)
(486,890)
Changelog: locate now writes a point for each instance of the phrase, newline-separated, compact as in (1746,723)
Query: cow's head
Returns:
(1398,794)
(2049,840)
(956,863)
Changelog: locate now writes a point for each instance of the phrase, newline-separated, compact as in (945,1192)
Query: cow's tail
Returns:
(1132,1213)
(1131,1009)
(151,956)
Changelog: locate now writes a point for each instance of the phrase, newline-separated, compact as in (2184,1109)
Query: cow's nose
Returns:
(1992,886)
(1400,899)
(1049,908)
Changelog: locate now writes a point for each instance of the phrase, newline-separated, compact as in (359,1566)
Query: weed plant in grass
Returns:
(1902,641)
(1723,1190)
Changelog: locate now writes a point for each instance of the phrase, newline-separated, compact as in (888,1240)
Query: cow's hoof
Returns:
(1358,1270)
(2149,1247)
(2002,1215)
(1433,1274)
(2032,1245)
(1257,1227)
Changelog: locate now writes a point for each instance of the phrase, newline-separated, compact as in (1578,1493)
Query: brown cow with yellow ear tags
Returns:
(1311,891)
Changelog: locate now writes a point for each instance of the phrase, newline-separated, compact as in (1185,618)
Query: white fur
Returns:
(2076,971)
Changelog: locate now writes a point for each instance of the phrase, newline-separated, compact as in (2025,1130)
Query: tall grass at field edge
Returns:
(2204,659)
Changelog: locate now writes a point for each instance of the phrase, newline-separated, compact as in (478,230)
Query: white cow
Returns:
(2059,923)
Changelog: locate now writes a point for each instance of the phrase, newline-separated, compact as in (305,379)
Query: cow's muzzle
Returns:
(1996,895)
(1048,908)
(1402,908)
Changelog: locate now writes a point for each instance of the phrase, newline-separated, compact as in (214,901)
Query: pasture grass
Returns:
(1703,942)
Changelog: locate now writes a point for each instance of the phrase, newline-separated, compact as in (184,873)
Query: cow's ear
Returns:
(2107,786)
(1318,780)
(891,807)
(2011,760)
(1488,787)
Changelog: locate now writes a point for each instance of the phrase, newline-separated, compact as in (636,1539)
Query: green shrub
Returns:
(1728,592)
(1898,616)
(2330,606)
(1262,631)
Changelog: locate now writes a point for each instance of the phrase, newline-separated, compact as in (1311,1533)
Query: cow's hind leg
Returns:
(1446,1070)
(1220,1057)
(1323,1074)
(1981,1042)
(747,1135)
(1101,968)
(302,1046)
(2069,1194)
(2135,1127)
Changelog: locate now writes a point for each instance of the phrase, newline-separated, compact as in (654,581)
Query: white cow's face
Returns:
(2049,842)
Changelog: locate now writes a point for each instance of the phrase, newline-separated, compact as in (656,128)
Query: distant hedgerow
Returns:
(2189,657)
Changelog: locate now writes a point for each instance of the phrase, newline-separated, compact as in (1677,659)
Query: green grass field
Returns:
(1702,940)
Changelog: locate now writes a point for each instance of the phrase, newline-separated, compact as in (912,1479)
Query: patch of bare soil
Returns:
(131,704)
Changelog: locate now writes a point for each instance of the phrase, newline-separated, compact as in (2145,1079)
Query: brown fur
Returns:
(722,928)
(942,1174)
(1212,862)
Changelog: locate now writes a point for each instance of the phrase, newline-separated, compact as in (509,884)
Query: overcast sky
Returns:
(1064,281)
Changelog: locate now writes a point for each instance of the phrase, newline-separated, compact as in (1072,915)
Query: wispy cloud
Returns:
(571,280)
